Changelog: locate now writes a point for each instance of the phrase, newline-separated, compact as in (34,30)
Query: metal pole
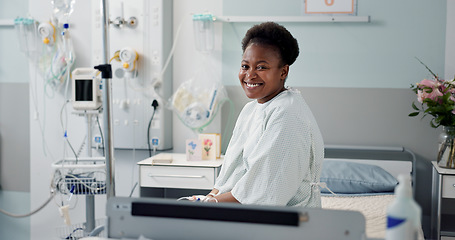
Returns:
(89,198)
(107,103)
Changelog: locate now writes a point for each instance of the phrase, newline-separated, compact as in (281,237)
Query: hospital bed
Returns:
(357,211)
(363,179)
(166,219)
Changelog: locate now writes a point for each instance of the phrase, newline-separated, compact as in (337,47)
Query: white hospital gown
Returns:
(275,154)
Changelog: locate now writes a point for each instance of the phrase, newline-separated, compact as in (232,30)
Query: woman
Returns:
(276,150)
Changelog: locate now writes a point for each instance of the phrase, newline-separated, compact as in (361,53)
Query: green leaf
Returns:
(415,107)
(433,125)
(413,114)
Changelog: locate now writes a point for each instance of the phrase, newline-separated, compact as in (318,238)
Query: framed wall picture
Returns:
(330,7)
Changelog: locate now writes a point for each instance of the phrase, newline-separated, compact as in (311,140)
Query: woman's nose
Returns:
(250,73)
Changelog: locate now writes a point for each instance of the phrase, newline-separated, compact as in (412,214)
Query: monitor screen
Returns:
(84,90)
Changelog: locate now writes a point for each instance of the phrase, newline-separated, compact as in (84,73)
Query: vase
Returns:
(446,154)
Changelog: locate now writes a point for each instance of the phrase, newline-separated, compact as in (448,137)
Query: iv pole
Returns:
(106,75)
(107,102)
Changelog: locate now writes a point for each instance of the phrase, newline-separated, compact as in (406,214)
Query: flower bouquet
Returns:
(437,98)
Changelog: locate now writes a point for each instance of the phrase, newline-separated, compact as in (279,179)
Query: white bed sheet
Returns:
(373,207)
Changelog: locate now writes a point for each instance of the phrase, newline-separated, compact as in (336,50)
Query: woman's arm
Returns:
(224,197)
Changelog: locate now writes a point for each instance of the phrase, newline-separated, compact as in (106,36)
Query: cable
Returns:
(132,190)
(116,56)
(154,105)
(101,132)
(70,236)
(64,130)
(82,146)
(96,231)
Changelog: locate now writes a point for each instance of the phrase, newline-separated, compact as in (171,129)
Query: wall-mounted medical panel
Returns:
(140,39)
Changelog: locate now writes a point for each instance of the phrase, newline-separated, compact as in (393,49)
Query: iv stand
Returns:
(106,75)
(89,198)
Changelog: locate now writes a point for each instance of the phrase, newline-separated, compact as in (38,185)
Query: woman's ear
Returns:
(284,72)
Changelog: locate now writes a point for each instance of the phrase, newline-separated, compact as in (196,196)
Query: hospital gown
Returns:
(275,154)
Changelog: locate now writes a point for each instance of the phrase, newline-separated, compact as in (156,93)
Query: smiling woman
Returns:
(276,150)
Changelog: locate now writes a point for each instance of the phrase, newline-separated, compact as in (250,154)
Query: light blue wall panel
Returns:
(16,203)
(378,54)
(13,63)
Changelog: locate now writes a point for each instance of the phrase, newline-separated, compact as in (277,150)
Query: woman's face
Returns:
(261,75)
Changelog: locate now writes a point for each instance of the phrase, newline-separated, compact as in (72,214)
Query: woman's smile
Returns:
(252,86)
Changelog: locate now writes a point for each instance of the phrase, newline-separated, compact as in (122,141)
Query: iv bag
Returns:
(203,32)
(27,35)
(62,9)
(197,104)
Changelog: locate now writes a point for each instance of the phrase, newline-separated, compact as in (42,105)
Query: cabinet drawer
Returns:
(177,177)
(448,186)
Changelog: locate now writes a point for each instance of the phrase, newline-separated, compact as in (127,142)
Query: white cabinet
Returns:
(178,174)
(177,177)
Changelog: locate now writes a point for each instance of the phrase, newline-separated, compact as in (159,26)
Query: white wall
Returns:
(450,36)
(188,61)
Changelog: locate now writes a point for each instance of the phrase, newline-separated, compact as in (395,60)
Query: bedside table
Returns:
(178,178)
(443,203)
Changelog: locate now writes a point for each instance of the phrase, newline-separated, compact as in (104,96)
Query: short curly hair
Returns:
(273,34)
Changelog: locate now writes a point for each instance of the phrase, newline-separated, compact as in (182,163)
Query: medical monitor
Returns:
(86,89)
(157,219)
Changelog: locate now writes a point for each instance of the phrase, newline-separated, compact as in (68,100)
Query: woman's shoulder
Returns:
(288,100)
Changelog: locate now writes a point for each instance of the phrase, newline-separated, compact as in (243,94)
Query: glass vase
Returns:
(446,154)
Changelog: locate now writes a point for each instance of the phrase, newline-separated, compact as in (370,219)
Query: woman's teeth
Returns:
(252,84)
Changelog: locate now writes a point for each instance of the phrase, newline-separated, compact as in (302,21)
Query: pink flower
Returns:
(428,83)
(207,145)
(208,142)
(430,89)
(437,98)
(435,94)
(421,96)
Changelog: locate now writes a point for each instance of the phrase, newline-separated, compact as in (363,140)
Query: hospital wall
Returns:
(354,76)
(14,127)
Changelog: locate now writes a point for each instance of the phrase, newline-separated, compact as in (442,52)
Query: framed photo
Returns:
(330,7)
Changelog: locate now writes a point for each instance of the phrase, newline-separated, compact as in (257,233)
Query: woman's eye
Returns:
(244,67)
(261,67)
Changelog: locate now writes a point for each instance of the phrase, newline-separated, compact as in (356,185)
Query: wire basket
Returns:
(77,231)
(82,176)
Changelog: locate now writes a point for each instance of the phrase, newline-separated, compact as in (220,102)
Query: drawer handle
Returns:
(174,176)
